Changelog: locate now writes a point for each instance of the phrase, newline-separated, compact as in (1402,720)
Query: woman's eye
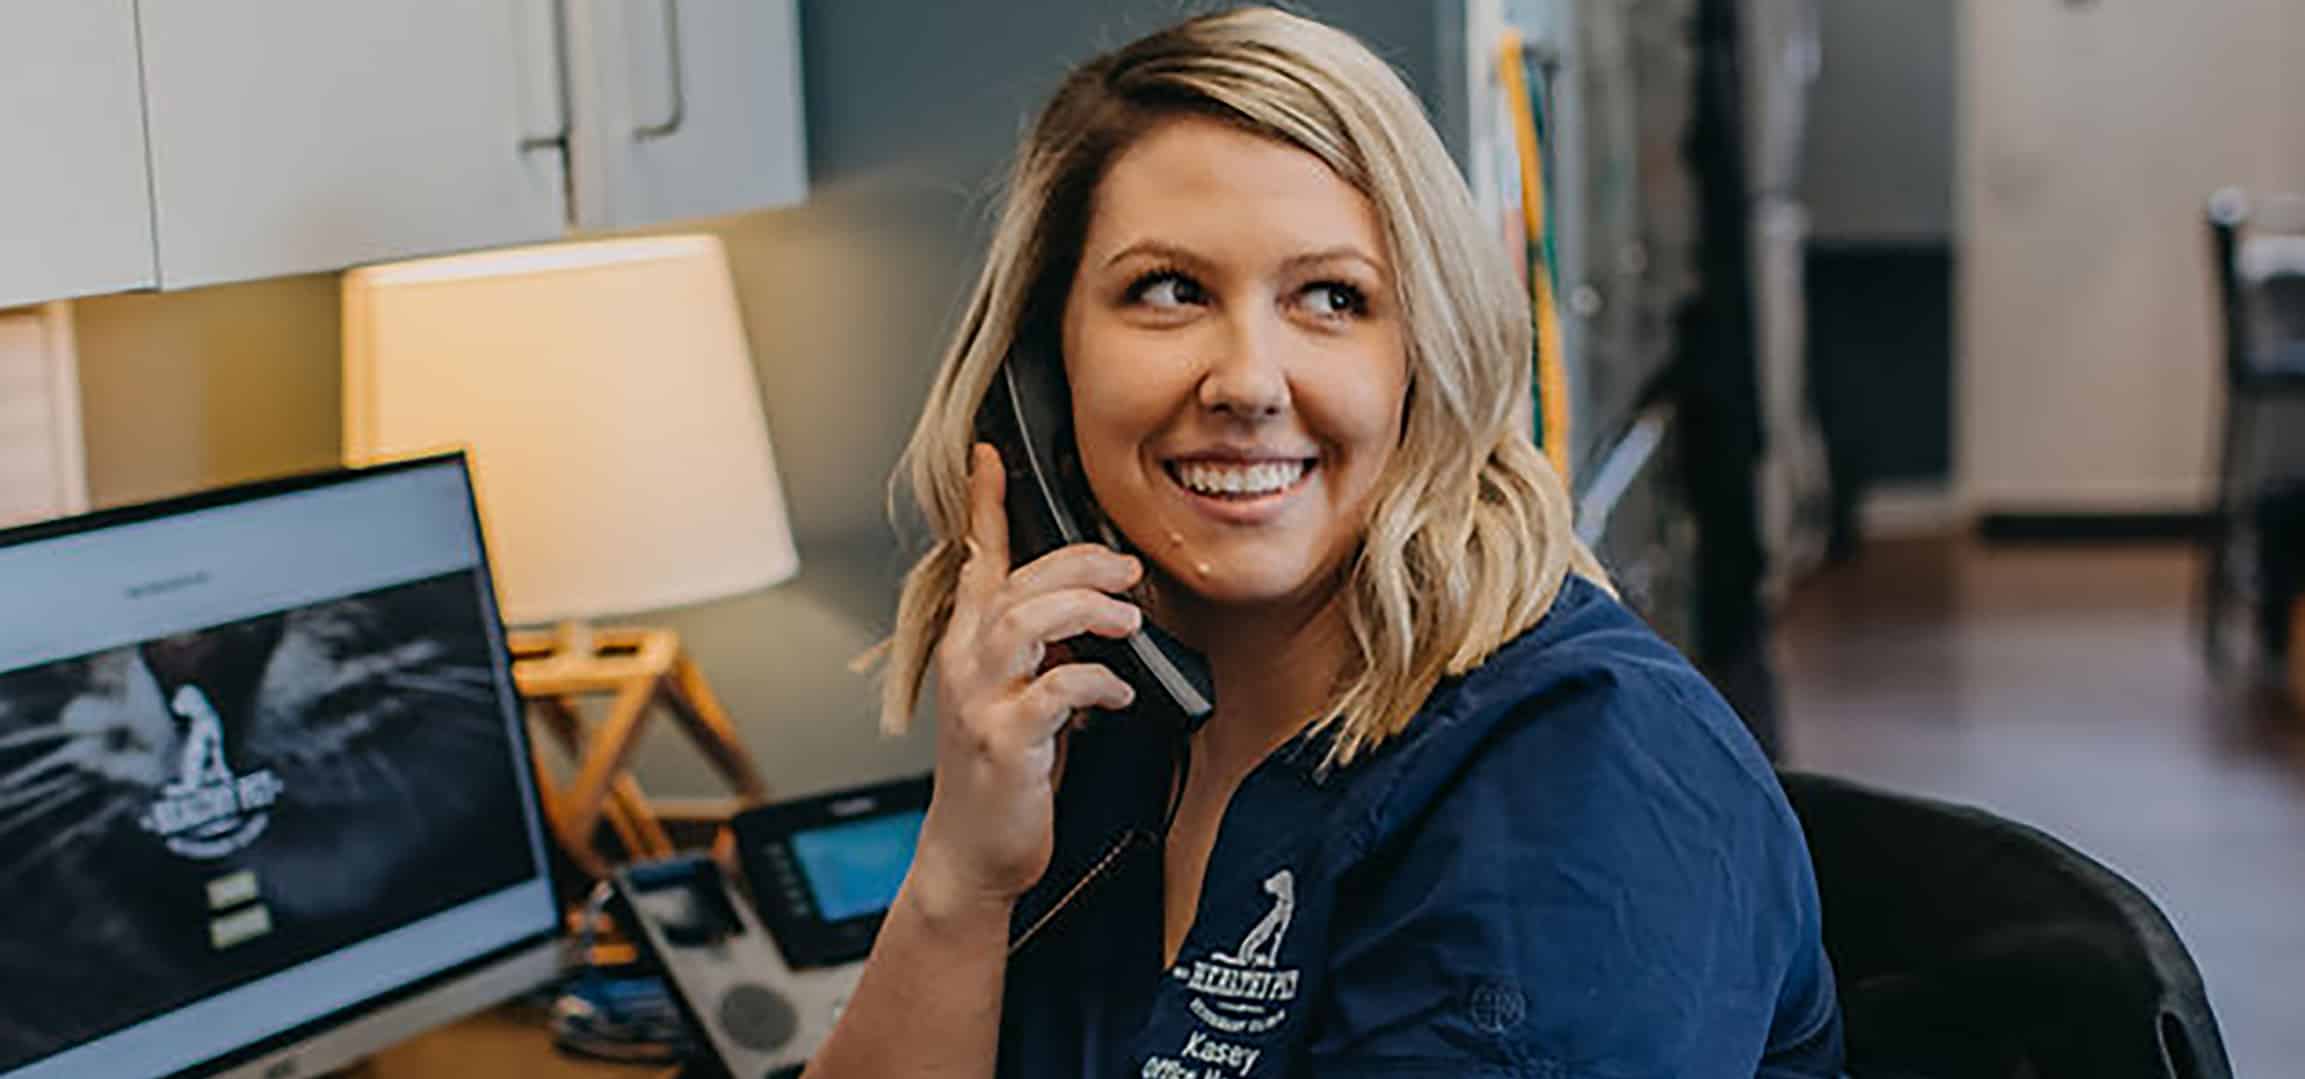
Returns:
(1166,289)
(1333,299)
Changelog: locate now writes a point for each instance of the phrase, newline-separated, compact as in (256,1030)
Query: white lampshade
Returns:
(608,401)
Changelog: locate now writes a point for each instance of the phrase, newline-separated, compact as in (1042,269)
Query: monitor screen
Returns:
(260,763)
(856,868)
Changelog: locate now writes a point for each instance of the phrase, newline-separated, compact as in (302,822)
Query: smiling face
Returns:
(1237,360)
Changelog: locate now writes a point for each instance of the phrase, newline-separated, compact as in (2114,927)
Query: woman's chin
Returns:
(1242,584)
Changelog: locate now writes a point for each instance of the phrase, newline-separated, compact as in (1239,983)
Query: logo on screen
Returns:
(205,811)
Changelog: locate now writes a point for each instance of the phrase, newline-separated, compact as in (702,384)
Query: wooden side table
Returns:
(643,672)
(504,1041)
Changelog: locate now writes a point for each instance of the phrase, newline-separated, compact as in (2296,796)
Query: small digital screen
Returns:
(856,868)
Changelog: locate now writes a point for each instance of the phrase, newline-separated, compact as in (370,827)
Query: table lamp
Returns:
(607,400)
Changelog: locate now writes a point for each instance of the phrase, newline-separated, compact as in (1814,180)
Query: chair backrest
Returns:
(1970,945)
(2257,252)
(2226,211)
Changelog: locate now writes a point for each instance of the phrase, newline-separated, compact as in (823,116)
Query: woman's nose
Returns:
(1245,377)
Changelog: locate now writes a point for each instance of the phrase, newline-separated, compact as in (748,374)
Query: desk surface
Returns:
(505,1041)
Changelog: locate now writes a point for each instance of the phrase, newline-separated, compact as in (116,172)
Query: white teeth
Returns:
(1262,478)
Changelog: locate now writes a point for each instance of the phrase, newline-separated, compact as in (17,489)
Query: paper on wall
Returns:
(42,461)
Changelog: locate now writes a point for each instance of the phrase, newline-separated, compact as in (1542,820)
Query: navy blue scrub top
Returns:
(1575,862)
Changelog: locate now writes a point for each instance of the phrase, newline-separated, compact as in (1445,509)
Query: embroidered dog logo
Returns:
(1262,947)
(1247,992)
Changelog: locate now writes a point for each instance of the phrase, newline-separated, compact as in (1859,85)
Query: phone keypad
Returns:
(784,880)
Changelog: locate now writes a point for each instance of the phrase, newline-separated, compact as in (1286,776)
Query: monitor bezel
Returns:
(234,494)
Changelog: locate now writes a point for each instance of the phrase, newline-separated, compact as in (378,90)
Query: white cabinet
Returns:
(75,214)
(177,143)
(296,135)
(683,109)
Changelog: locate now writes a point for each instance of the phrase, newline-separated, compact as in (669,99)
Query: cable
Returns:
(595,905)
(1184,776)
(1552,378)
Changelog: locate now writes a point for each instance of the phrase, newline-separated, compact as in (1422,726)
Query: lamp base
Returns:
(643,670)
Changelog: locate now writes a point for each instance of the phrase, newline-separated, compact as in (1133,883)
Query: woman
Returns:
(1456,811)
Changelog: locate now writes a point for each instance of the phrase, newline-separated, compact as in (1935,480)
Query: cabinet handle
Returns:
(679,111)
(543,33)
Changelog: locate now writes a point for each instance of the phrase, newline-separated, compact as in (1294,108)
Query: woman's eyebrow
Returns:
(1343,252)
(1157,249)
(1173,253)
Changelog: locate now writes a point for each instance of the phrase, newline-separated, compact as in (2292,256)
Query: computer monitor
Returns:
(265,793)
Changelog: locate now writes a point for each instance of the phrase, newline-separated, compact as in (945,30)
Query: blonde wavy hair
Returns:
(1469,539)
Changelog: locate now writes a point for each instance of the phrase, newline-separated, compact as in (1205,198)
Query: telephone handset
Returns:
(1027,415)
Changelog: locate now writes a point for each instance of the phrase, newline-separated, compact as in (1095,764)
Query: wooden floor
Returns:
(2061,686)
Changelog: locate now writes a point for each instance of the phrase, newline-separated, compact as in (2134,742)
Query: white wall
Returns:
(2089,137)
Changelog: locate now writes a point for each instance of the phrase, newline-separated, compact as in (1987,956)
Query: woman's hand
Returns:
(990,826)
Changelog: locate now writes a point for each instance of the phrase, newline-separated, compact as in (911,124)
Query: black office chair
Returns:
(1968,945)
(2261,306)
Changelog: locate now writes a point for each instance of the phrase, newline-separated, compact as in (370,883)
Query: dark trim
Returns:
(2184,526)
(1884,246)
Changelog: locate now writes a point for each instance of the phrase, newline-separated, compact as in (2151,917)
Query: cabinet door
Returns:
(75,214)
(684,109)
(298,135)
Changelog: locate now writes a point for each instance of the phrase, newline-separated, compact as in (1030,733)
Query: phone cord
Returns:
(1184,776)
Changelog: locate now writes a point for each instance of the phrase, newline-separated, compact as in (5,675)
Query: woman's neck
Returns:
(1273,666)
